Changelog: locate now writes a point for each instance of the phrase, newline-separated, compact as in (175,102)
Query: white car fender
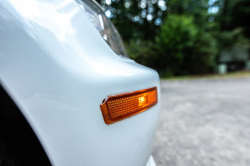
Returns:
(57,68)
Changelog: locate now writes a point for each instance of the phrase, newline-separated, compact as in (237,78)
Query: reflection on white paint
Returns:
(56,26)
(47,15)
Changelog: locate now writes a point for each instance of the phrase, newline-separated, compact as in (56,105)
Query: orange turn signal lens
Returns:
(115,108)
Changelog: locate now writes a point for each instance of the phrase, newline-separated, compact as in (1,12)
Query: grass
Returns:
(210,76)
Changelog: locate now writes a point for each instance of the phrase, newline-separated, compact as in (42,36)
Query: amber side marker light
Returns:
(118,107)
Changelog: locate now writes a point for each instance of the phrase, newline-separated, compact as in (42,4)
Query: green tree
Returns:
(201,57)
(135,19)
(171,36)
(177,35)
(143,52)
(240,17)
(141,19)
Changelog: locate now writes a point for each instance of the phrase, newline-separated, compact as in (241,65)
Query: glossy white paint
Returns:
(151,161)
(58,69)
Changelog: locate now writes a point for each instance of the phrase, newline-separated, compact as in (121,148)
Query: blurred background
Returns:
(206,120)
(184,37)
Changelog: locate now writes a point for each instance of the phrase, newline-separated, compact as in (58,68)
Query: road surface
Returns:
(204,123)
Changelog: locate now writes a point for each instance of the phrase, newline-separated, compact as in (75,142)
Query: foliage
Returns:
(135,19)
(179,48)
(143,18)
(228,39)
(143,52)
(240,17)
(180,37)
(176,36)
(200,58)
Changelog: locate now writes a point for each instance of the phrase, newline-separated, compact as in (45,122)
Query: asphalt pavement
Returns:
(204,123)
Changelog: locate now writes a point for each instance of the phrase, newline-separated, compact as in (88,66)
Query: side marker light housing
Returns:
(118,107)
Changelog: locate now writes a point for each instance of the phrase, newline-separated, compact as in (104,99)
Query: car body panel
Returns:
(57,68)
